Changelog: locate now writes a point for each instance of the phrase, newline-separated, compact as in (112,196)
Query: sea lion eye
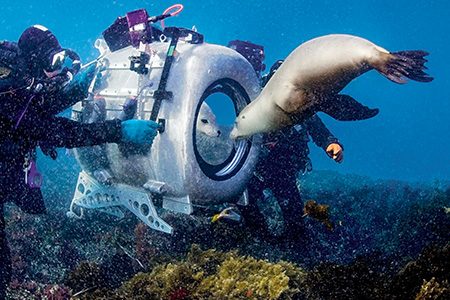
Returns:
(204,121)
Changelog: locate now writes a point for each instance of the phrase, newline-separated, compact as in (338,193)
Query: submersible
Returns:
(167,76)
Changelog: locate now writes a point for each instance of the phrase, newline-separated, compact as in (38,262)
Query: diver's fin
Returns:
(345,108)
(405,64)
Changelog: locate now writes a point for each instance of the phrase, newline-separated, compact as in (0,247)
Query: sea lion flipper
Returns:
(345,108)
(405,64)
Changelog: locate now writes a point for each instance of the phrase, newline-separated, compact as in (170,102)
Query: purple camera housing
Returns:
(138,26)
(129,30)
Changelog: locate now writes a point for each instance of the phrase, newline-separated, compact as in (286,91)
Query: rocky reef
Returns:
(213,274)
(389,241)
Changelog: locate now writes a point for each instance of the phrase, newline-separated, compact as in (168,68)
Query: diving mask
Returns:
(62,60)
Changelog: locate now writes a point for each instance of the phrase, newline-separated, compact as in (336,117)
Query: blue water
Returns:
(410,137)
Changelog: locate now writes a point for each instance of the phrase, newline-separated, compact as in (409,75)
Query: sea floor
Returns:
(390,240)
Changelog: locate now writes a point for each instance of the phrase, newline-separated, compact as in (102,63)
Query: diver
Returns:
(35,85)
(284,155)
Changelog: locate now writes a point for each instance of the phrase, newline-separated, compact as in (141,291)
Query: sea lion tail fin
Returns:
(345,108)
(406,64)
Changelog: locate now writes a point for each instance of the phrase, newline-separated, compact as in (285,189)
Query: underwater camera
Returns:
(194,90)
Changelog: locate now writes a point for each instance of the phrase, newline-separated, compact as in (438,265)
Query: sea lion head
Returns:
(259,117)
(247,123)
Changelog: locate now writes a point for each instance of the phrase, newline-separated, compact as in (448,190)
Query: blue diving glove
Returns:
(139,131)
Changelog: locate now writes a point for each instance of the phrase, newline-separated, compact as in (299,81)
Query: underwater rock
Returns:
(273,216)
(22,294)
(424,278)
(31,290)
(433,262)
(87,275)
(142,248)
(355,281)
(56,292)
(395,219)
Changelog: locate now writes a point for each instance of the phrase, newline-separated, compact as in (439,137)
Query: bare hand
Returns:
(336,152)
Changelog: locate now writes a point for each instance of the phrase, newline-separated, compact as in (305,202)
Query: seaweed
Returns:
(245,277)
(212,274)
(433,290)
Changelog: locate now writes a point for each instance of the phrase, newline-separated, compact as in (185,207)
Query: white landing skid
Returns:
(89,194)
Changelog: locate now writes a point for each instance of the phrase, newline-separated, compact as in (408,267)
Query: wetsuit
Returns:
(5,258)
(24,125)
(284,155)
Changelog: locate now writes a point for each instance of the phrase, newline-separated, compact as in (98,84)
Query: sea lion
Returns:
(312,76)
(206,121)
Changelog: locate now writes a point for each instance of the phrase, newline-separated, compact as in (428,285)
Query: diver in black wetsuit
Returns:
(34,87)
(284,155)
